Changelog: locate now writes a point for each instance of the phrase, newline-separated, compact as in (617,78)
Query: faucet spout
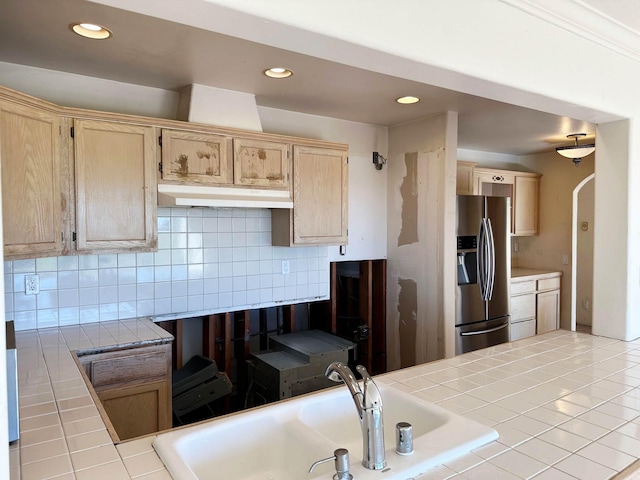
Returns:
(368,402)
(339,372)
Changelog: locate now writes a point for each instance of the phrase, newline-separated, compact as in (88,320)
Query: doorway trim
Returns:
(574,248)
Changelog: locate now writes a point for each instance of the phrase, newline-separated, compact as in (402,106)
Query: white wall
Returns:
(71,90)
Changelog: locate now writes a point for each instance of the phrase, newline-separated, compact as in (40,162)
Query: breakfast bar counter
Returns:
(566,406)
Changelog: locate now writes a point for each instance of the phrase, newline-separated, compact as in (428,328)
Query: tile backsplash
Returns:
(208,260)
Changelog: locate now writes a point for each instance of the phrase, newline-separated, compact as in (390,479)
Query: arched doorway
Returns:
(582,253)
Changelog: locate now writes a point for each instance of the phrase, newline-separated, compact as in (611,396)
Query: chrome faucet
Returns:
(368,402)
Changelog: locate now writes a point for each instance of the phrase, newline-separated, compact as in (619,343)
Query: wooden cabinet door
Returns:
(260,164)
(137,410)
(115,186)
(496,184)
(319,196)
(32,204)
(193,157)
(464,178)
(547,311)
(526,206)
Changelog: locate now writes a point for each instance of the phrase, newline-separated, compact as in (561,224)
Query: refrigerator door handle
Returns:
(491,260)
(482,332)
(483,260)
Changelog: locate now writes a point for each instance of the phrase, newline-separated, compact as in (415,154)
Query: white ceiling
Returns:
(149,51)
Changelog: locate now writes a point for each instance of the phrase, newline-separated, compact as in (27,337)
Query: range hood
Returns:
(201,196)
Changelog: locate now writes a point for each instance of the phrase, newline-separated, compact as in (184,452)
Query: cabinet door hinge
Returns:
(347,160)
(288,154)
(74,236)
(62,236)
(160,166)
(73,132)
(160,140)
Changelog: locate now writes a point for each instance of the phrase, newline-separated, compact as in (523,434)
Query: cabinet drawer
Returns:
(522,329)
(523,307)
(549,283)
(523,287)
(110,371)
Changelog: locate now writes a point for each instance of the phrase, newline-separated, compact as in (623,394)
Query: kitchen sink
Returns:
(280,441)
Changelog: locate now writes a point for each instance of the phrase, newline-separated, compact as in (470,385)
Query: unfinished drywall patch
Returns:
(409,195)
(408,323)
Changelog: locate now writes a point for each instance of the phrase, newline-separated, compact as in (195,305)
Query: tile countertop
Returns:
(521,274)
(566,406)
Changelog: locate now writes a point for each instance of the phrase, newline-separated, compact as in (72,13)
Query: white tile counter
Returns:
(566,406)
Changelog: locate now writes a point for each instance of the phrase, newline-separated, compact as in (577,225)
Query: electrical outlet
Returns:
(32,284)
(565,259)
(285,267)
(585,304)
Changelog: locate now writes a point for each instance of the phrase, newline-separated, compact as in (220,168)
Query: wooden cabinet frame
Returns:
(133,387)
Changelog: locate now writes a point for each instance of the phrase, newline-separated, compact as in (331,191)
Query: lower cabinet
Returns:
(134,387)
(548,311)
(535,305)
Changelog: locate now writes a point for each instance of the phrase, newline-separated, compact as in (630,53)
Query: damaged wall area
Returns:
(419,194)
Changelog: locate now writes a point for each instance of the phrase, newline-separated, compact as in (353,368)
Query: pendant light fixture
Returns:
(576,152)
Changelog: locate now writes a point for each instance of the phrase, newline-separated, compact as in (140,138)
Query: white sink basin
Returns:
(281,441)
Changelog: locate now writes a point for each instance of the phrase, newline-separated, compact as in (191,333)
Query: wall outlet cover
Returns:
(32,284)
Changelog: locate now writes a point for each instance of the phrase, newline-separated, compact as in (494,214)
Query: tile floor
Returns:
(566,406)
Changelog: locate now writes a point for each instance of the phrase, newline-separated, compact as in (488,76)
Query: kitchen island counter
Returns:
(566,406)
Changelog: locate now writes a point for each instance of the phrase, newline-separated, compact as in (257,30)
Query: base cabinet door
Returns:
(32,205)
(115,186)
(134,387)
(137,410)
(524,329)
(547,311)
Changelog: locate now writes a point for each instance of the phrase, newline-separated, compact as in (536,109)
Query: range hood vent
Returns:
(199,196)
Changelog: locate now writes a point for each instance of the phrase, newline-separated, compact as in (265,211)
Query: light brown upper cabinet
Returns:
(464,178)
(115,186)
(523,190)
(32,203)
(526,205)
(319,215)
(193,157)
(261,164)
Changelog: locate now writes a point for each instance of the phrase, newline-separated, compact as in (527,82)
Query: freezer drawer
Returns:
(481,335)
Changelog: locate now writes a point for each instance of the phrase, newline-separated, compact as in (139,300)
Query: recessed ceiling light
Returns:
(278,72)
(408,100)
(90,30)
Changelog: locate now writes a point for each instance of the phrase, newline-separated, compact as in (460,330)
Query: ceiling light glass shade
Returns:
(90,30)
(576,152)
(573,151)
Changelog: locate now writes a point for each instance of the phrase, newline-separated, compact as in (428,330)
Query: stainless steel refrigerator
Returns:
(482,297)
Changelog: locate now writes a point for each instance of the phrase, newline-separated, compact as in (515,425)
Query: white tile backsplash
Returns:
(208,261)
